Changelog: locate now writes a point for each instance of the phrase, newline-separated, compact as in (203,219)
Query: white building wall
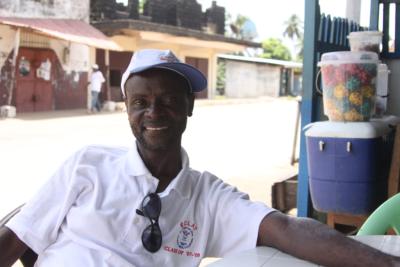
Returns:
(72,56)
(62,9)
(244,80)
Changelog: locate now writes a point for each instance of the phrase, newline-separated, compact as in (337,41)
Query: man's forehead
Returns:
(154,72)
(157,78)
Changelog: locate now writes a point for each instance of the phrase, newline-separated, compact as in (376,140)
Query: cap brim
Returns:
(196,79)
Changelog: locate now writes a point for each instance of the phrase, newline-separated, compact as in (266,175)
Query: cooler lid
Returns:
(336,129)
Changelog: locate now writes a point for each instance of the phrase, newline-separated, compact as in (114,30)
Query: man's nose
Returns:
(155,109)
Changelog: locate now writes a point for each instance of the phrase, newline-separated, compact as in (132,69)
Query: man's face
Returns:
(158,104)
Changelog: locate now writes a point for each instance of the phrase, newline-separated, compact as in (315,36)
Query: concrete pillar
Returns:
(212,74)
(107,74)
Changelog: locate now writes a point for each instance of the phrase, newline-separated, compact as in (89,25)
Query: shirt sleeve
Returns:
(235,220)
(39,221)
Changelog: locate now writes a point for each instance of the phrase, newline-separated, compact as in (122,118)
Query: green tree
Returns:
(142,3)
(236,25)
(293,27)
(294,31)
(274,48)
(221,69)
(300,48)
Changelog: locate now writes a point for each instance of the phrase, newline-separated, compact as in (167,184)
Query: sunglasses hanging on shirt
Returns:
(151,209)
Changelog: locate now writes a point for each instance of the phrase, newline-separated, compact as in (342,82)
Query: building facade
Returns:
(248,77)
(48,46)
(195,36)
(46,50)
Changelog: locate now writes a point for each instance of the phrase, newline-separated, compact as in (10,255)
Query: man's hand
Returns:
(313,241)
(11,247)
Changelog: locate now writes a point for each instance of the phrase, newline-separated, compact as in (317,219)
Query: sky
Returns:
(268,15)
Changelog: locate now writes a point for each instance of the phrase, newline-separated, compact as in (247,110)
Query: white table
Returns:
(266,256)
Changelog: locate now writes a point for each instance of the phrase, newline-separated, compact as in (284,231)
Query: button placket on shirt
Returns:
(146,184)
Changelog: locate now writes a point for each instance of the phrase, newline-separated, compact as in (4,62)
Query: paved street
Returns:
(248,143)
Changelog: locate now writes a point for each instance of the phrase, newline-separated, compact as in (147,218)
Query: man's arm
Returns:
(11,247)
(313,241)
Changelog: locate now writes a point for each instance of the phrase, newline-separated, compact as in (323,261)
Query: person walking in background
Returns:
(96,81)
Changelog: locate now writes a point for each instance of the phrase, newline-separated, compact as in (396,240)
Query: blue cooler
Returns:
(348,165)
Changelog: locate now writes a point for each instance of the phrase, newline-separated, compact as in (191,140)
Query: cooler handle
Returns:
(321,145)
(348,147)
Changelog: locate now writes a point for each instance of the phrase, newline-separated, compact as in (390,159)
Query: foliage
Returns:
(221,68)
(300,48)
(235,26)
(141,5)
(294,30)
(294,27)
(274,48)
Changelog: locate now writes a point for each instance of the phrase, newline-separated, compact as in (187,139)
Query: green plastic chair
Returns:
(385,217)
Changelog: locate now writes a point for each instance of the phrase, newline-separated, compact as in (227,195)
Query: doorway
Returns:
(202,65)
(34,75)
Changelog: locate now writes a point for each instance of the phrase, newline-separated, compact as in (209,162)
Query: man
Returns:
(146,207)
(96,81)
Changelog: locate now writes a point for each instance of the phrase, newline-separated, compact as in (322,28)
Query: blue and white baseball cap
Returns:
(163,59)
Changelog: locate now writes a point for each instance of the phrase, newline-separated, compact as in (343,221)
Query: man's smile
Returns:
(150,128)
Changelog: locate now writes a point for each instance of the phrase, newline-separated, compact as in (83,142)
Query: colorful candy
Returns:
(349,91)
(355,98)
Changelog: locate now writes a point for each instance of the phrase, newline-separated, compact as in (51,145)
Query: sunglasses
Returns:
(151,209)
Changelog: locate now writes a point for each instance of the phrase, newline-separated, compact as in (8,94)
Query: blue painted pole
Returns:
(374,15)
(308,100)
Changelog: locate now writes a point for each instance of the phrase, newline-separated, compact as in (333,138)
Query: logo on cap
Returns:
(169,58)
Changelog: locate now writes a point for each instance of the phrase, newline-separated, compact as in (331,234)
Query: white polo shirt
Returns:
(86,214)
(96,80)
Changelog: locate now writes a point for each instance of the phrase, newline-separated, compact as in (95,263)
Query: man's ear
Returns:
(191,98)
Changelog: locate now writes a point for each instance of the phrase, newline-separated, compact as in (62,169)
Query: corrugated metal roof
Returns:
(287,64)
(66,29)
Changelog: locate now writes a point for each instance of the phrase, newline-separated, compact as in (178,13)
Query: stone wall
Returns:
(189,14)
(161,11)
(181,13)
(65,9)
(215,17)
(133,8)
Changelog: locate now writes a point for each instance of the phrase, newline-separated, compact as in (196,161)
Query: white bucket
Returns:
(365,41)
(8,111)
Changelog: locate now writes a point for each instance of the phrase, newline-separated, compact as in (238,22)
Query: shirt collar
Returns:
(135,166)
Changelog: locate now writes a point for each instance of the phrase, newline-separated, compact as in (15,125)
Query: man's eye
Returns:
(138,102)
(169,100)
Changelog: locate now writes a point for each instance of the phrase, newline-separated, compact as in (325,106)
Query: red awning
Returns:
(66,29)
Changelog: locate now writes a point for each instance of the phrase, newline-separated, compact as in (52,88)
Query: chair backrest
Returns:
(29,258)
(385,217)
